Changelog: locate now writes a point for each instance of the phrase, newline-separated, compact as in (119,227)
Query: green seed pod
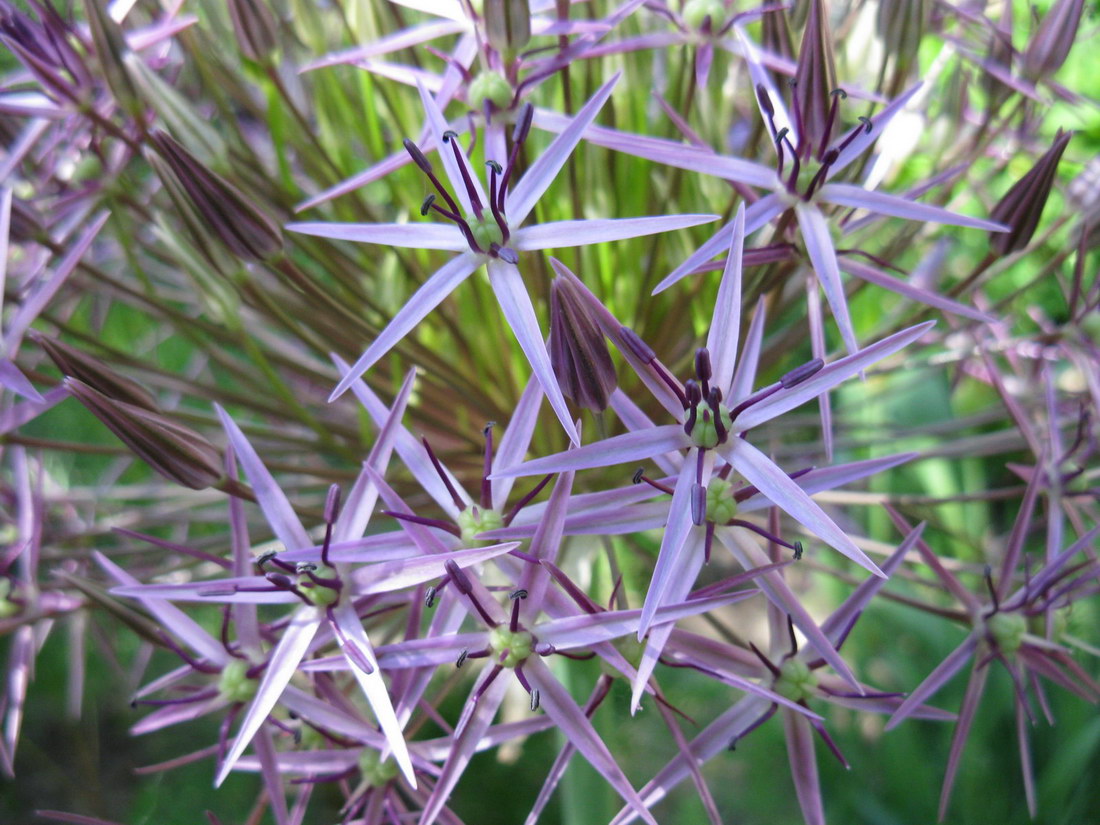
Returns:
(508,23)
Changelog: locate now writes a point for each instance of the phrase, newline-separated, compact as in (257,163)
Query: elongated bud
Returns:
(1050,46)
(255,27)
(111,49)
(93,372)
(1000,51)
(578,350)
(176,452)
(815,78)
(227,212)
(775,35)
(1022,205)
(508,23)
(901,25)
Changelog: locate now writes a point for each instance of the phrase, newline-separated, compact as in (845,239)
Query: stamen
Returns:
(332,511)
(692,397)
(462,657)
(516,597)
(505,253)
(822,173)
(837,95)
(427,522)
(640,477)
(766,534)
(866,126)
(496,203)
(534,700)
(426,168)
(703,370)
(801,374)
(519,136)
(451,137)
(486,485)
(698,503)
(708,542)
(791,636)
(458,502)
(714,401)
(462,582)
(523,502)
(644,353)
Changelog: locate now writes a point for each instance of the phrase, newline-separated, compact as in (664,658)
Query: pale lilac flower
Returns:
(487,230)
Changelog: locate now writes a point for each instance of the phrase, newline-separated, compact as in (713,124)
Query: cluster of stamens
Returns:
(486,231)
(795,180)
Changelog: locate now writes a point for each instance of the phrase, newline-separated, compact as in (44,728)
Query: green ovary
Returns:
(486,232)
(376,772)
(474,520)
(514,645)
(704,434)
(721,506)
(318,594)
(234,685)
(696,11)
(8,608)
(795,681)
(1007,630)
(489,86)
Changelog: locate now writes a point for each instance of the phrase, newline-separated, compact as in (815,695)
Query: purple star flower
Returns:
(486,230)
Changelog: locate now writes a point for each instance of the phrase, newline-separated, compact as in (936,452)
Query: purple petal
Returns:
(974,689)
(669,569)
(725,325)
(572,722)
(800,752)
(281,667)
(375,689)
(424,300)
(561,234)
(272,500)
(522,199)
(761,472)
(935,680)
(856,197)
(819,246)
(515,303)
(828,478)
(516,440)
(911,291)
(388,576)
(745,376)
(863,141)
(618,449)
(424,235)
(828,377)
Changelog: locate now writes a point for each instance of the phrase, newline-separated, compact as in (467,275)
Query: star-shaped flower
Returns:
(486,230)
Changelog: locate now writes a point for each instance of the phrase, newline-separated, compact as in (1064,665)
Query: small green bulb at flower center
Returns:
(8,607)
(795,681)
(489,86)
(514,645)
(474,520)
(486,232)
(234,684)
(319,594)
(1007,630)
(704,434)
(696,11)
(376,772)
(721,506)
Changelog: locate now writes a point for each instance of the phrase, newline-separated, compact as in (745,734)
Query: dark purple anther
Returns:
(332,504)
(698,504)
(418,157)
(461,580)
(703,370)
(802,373)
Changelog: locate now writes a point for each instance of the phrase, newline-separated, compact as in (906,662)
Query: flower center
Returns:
(795,681)
(234,684)
(318,592)
(8,606)
(510,647)
(486,232)
(474,520)
(489,86)
(1007,631)
(376,772)
(721,505)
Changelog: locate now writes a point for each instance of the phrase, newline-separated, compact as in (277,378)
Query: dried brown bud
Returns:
(578,350)
(227,212)
(1050,46)
(176,452)
(77,364)
(1022,206)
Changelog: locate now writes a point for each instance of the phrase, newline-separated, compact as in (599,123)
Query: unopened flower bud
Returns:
(227,212)
(815,78)
(1050,46)
(77,364)
(901,25)
(178,453)
(1022,206)
(578,350)
(508,23)
(111,50)
(255,28)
